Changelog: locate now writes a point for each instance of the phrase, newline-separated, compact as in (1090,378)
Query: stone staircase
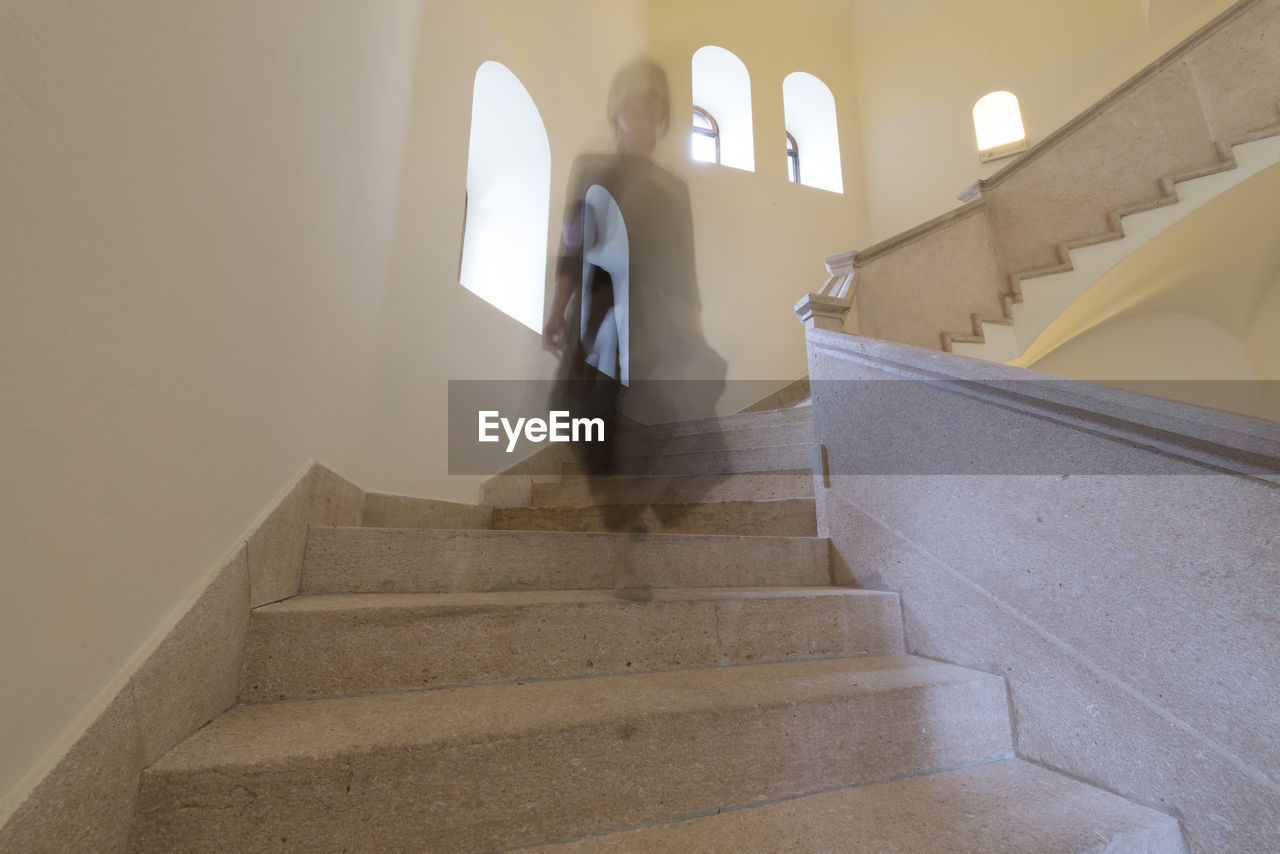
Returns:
(1037,298)
(1183,129)
(485,690)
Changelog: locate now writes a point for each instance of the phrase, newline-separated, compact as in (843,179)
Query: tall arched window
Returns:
(722,88)
(997,122)
(504,245)
(809,110)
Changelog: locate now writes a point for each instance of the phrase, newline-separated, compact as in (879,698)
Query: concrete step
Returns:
(787,433)
(789,517)
(478,768)
(1005,807)
(402,560)
(580,490)
(348,643)
(721,461)
(326,645)
(722,423)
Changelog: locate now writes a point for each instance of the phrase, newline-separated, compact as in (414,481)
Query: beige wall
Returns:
(195,203)
(760,239)
(919,67)
(1262,340)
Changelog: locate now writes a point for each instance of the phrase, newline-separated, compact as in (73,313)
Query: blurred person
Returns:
(631,343)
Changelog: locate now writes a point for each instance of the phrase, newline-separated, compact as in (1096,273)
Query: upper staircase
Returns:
(1054,220)
(483,689)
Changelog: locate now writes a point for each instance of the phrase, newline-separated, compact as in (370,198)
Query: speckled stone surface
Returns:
(83,806)
(194,675)
(721,424)
(1006,807)
(931,284)
(1132,615)
(276,548)
(675,489)
(482,767)
(721,461)
(399,511)
(787,517)
(348,643)
(385,560)
(786,433)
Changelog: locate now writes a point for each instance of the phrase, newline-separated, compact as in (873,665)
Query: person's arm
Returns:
(553,337)
(568,275)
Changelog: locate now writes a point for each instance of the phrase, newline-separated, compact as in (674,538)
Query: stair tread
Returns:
(771,517)
(424,560)
(720,423)
(254,735)
(565,536)
(320,602)
(1003,807)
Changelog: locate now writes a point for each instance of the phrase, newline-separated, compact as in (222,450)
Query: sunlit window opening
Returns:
(722,88)
(704,142)
(504,254)
(793,160)
(997,121)
(809,110)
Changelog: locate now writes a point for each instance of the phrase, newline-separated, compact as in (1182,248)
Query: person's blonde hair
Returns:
(632,76)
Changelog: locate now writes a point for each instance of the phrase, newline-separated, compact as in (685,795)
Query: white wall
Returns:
(195,204)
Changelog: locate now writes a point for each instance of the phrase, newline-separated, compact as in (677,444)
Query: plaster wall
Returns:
(1262,340)
(760,239)
(195,203)
(1184,356)
(1129,613)
(918,69)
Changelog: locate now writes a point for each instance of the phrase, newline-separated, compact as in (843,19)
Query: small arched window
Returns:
(704,142)
(722,88)
(997,123)
(809,111)
(793,159)
(508,198)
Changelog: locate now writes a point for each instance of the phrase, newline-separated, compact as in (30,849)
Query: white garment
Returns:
(605,246)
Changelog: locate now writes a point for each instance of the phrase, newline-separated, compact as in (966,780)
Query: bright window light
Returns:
(722,87)
(997,121)
(809,110)
(504,246)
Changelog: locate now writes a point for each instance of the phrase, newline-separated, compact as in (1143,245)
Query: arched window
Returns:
(997,122)
(722,88)
(704,142)
(809,110)
(504,244)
